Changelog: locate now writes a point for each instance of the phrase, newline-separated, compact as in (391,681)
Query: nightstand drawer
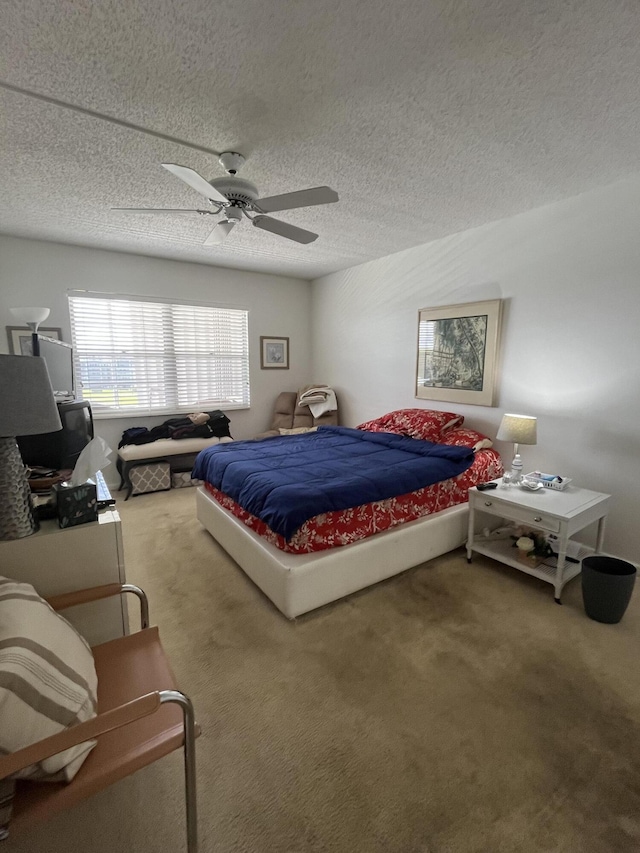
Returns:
(521,514)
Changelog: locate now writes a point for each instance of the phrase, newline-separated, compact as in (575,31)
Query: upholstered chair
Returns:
(287,414)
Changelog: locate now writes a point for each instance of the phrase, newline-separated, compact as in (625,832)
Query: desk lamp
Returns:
(27,407)
(520,429)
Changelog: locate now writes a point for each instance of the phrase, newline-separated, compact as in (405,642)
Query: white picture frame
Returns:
(458,352)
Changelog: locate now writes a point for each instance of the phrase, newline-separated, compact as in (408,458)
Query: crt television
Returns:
(58,357)
(59,450)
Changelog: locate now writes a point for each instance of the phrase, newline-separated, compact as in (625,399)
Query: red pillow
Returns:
(467,438)
(425,424)
(376,425)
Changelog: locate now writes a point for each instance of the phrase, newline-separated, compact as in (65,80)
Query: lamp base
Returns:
(17,518)
(516,469)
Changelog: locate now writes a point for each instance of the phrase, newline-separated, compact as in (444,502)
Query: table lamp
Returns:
(28,408)
(520,429)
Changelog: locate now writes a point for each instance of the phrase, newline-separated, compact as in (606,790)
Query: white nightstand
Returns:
(562,513)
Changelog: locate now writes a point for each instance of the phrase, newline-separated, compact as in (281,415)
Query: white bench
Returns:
(179,453)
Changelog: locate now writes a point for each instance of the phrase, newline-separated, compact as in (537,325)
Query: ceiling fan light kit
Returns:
(220,232)
(236,197)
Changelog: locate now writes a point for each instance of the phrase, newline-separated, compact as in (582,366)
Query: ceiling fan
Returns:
(235,197)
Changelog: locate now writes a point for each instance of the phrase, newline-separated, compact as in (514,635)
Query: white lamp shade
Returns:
(28,405)
(30,315)
(520,429)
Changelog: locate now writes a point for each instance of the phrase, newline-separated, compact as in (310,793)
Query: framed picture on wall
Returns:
(274,353)
(458,352)
(19,338)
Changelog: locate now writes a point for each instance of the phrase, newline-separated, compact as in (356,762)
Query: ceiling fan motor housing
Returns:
(236,190)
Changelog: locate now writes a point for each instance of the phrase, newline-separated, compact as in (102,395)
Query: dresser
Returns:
(56,560)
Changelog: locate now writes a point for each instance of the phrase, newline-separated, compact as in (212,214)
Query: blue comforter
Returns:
(287,480)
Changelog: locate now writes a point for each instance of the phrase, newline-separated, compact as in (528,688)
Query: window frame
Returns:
(105,413)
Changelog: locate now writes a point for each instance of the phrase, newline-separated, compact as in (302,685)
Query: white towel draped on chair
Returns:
(319,399)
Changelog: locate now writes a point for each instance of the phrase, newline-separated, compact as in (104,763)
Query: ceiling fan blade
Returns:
(283,229)
(219,233)
(302,198)
(159,210)
(195,181)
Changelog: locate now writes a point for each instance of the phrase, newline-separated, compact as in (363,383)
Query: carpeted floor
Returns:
(453,709)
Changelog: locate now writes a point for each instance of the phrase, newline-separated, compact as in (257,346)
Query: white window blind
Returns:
(426,335)
(426,347)
(152,356)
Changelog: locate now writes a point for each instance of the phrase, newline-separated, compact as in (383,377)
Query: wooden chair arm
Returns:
(90,729)
(83,596)
(95,593)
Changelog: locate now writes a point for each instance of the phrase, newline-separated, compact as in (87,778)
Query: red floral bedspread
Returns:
(331,529)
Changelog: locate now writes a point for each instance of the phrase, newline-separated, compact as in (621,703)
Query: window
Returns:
(135,355)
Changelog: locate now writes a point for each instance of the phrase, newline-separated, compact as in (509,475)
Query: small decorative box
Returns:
(150,477)
(183,479)
(75,504)
(549,481)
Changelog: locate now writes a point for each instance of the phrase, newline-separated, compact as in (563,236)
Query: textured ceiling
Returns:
(427,117)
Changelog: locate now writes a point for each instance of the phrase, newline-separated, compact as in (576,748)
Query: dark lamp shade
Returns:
(27,404)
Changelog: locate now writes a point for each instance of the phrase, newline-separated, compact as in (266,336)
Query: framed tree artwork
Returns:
(274,353)
(458,352)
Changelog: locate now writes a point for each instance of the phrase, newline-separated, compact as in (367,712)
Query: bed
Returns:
(347,546)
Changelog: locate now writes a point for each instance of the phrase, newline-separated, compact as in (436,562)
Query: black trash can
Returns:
(607,584)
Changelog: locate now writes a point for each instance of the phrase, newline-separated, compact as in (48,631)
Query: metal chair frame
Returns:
(116,717)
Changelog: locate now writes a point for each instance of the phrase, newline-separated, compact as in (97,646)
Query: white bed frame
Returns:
(297,583)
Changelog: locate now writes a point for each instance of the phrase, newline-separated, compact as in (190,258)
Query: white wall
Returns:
(40,273)
(570,277)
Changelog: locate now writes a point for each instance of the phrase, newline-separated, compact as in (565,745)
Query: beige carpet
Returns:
(453,709)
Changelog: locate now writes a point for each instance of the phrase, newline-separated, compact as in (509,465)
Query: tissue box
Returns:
(76,504)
